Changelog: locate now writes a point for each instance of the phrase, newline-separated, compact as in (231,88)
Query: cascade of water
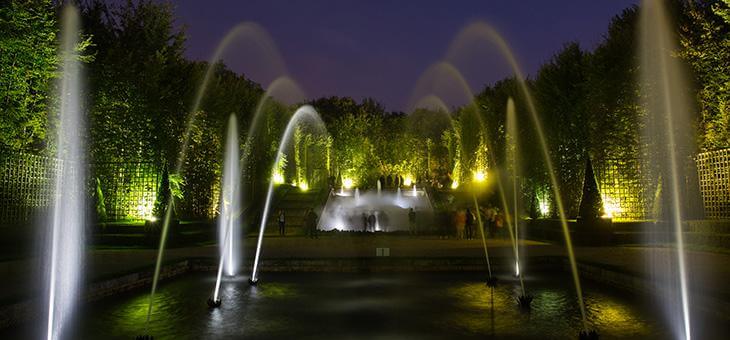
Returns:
(67,222)
(357,196)
(305,112)
(667,123)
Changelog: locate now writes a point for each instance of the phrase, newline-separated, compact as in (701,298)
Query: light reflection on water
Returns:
(383,305)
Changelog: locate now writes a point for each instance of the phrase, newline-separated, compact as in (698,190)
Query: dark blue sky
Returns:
(380,48)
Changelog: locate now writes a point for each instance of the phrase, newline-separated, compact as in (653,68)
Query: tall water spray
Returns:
(229,225)
(513,158)
(65,258)
(305,112)
(667,127)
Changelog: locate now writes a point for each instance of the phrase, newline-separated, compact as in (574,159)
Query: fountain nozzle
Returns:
(588,335)
(253,281)
(525,301)
(213,303)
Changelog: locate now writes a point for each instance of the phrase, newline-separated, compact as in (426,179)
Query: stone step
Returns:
(691,238)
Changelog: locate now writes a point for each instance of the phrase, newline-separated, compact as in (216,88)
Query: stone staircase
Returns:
(295,203)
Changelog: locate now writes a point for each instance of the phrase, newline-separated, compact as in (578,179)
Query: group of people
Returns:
(464,224)
(373,220)
(310,223)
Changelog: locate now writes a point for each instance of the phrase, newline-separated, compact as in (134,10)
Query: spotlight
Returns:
(480,176)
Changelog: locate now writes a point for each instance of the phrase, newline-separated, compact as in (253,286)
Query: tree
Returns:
(560,91)
(28,62)
(164,195)
(613,93)
(139,82)
(705,40)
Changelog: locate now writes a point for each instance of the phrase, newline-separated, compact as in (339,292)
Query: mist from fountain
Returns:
(65,257)
(305,114)
(668,129)
(481,31)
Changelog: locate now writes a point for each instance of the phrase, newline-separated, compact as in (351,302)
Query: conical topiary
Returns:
(163,195)
(534,210)
(591,204)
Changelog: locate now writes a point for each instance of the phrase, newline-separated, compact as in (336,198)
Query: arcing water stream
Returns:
(304,114)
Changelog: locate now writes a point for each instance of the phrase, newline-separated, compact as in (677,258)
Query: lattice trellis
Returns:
(622,191)
(130,189)
(713,170)
(26,185)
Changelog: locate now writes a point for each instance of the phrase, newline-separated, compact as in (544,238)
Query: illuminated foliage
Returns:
(28,65)
(706,47)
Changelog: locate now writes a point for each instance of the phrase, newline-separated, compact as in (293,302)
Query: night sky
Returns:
(380,48)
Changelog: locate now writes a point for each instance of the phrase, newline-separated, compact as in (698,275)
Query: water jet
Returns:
(67,222)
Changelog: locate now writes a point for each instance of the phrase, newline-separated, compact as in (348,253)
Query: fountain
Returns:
(229,229)
(667,121)
(343,212)
(482,31)
(264,43)
(66,226)
(302,114)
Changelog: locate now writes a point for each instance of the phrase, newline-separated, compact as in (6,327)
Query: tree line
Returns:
(140,89)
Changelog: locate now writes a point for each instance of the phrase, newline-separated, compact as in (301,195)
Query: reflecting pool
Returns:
(370,305)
